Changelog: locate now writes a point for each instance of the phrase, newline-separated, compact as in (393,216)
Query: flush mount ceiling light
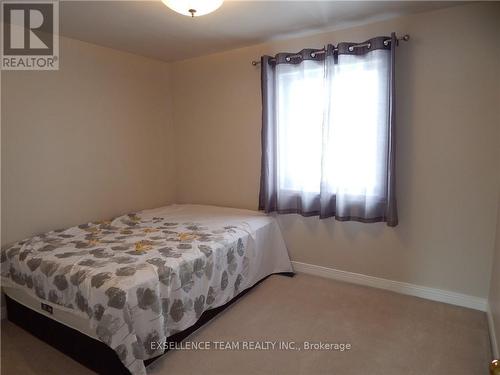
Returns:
(193,8)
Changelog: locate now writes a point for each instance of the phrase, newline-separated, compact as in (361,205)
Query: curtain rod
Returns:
(404,38)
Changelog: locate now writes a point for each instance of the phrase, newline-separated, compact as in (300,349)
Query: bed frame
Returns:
(92,353)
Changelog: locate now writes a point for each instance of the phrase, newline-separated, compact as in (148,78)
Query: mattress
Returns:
(133,281)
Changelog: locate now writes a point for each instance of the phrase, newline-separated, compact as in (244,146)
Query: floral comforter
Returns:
(141,277)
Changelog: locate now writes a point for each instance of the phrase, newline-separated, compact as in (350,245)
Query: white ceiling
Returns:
(151,29)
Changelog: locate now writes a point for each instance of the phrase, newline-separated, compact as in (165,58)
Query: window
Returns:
(328,135)
(300,118)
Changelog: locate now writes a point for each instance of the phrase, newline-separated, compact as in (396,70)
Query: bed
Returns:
(134,281)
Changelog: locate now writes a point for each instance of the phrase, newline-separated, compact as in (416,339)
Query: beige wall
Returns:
(448,121)
(87,142)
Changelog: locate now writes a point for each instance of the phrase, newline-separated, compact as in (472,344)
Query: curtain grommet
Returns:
(351,48)
(288,58)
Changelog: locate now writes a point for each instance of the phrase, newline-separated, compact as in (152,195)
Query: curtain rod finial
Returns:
(406,37)
(255,63)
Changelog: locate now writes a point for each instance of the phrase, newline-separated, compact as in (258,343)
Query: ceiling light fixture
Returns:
(193,8)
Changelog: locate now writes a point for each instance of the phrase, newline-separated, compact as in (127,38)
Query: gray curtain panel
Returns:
(328,132)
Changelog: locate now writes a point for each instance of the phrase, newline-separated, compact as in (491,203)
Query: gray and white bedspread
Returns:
(142,277)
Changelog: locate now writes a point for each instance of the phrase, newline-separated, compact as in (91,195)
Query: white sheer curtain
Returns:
(328,139)
(355,131)
(299,118)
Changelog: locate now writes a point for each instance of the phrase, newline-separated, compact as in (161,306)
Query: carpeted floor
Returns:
(389,334)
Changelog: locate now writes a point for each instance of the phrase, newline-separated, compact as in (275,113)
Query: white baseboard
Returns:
(439,295)
(493,336)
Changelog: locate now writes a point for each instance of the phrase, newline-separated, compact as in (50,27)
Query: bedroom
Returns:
(149,109)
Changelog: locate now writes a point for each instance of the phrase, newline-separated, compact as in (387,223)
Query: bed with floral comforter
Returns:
(145,276)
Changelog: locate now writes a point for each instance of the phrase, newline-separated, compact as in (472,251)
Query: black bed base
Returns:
(91,353)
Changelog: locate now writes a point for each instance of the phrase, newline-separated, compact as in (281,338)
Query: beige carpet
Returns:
(389,334)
